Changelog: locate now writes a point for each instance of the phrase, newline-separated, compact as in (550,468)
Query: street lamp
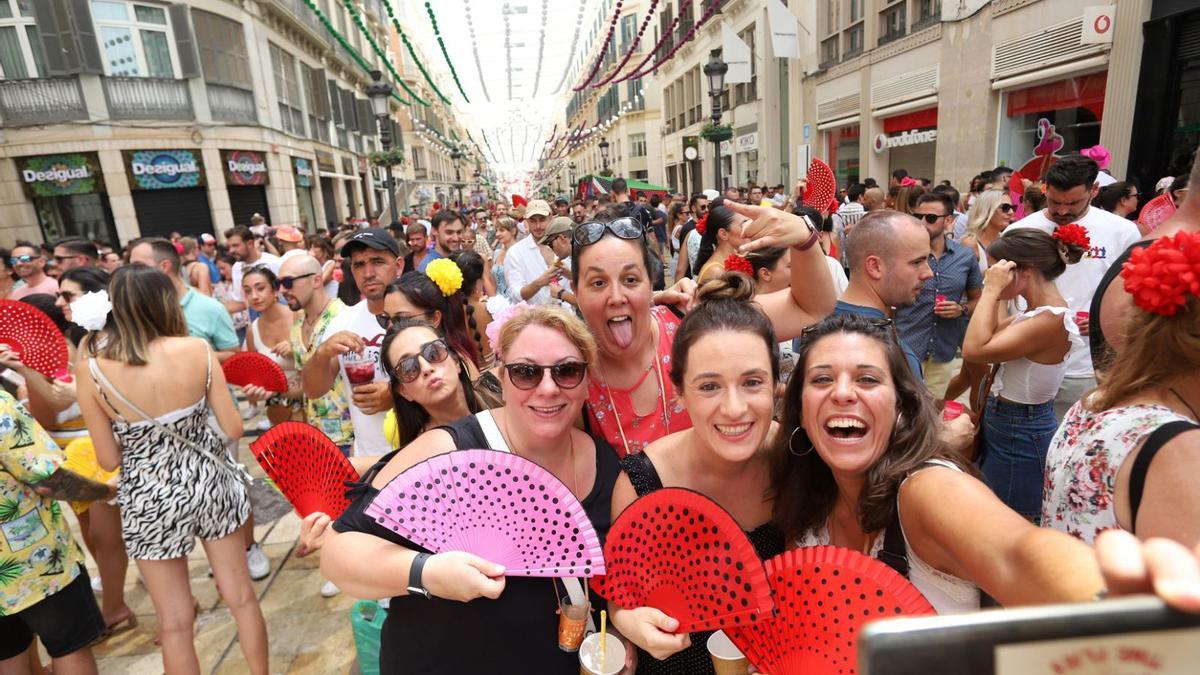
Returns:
(604,154)
(457,155)
(715,71)
(571,175)
(379,92)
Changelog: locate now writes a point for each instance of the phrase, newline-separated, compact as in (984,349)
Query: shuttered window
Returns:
(223,54)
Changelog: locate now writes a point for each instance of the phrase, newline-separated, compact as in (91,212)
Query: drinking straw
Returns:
(603,636)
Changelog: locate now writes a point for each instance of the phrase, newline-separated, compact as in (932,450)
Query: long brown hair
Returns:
(145,307)
(803,486)
(1158,349)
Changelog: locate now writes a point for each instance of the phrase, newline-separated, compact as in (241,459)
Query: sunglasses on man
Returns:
(20,259)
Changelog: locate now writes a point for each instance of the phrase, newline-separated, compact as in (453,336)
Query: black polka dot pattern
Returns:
(33,336)
(823,597)
(246,368)
(306,466)
(681,553)
(497,505)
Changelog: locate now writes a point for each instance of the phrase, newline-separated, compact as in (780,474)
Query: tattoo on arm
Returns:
(69,486)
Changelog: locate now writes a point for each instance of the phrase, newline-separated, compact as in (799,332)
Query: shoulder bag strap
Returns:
(1141,464)
(894,553)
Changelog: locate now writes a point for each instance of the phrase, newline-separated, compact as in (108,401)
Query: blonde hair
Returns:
(1157,350)
(506,223)
(145,307)
(554,318)
(985,206)
(189,244)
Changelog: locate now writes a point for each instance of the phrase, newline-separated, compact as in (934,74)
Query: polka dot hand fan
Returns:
(679,552)
(822,186)
(823,596)
(497,505)
(306,466)
(252,368)
(33,336)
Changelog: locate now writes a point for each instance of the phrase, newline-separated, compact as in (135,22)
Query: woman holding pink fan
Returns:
(472,618)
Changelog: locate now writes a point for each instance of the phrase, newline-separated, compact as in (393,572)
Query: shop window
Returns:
(20,48)
(1074,107)
(842,149)
(223,54)
(893,21)
(135,39)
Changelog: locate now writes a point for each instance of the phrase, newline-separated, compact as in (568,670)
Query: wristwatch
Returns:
(966,310)
(813,236)
(415,587)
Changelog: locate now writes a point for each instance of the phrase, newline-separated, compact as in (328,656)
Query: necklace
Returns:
(308,322)
(1185,403)
(571,445)
(662,398)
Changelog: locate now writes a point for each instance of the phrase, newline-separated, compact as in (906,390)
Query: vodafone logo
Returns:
(880,143)
(1102,24)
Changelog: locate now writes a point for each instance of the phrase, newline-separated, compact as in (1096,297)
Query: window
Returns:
(20,48)
(135,39)
(893,21)
(829,51)
(854,41)
(223,55)
(929,10)
(629,28)
(747,92)
(287,91)
(697,96)
(637,145)
(636,102)
(856,10)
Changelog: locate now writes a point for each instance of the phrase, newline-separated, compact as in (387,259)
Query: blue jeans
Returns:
(1016,437)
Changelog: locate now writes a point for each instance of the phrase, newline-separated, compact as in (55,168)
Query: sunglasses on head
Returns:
(386,320)
(883,325)
(566,375)
(1007,208)
(288,282)
(591,232)
(930,218)
(409,367)
(20,259)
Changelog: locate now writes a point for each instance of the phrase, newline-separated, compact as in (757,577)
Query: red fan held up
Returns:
(306,466)
(679,552)
(34,337)
(822,186)
(252,368)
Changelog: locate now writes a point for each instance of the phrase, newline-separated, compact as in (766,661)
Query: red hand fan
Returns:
(823,596)
(1156,212)
(497,505)
(679,552)
(307,467)
(822,186)
(253,368)
(33,336)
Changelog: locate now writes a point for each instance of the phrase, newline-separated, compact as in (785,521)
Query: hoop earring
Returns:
(792,451)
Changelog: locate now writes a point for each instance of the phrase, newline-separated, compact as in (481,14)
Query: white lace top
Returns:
(1024,381)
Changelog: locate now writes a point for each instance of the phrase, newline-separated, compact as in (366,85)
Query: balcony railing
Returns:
(41,101)
(230,104)
(142,98)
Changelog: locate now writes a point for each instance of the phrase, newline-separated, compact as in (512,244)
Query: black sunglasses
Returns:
(930,218)
(386,320)
(20,259)
(288,282)
(409,368)
(567,374)
(591,232)
(1007,208)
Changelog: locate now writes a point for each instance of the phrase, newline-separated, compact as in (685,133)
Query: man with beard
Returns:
(243,248)
(525,266)
(888,253)
(376,260)
(447,232)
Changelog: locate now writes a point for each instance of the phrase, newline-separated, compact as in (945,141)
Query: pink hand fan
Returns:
(306,466)
(33,336)
(1156,212)
(252,368)
(823,597)
(822,186)
(497,505)
(681,553)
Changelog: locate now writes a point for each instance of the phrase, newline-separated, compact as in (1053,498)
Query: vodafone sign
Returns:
(1098,24)
(905,138)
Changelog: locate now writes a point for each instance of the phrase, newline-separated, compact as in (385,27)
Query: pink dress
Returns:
(640,431)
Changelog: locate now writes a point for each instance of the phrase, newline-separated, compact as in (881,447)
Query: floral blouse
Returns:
(640,431)
(1082,464)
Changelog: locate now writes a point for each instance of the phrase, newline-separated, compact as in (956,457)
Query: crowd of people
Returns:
(975,382)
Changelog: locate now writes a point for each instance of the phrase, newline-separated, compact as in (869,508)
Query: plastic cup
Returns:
(589,656)
(572,623)
(938,300)
(1082,317)
(360,368)
(726,658)
(952,410)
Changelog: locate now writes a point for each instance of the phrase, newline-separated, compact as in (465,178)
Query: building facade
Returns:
(128,118)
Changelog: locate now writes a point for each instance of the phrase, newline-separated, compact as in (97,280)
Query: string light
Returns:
(541,48)
(712,9)
(612,27)
(475,50)
(574,43)
(633,47)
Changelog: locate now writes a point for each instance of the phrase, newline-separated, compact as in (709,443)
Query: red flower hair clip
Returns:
(908,181)
(736,263)
(1073,234)
(1161,276)
(702,224)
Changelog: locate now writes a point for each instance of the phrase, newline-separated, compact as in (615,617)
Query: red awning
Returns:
(1076,92)
(918,119)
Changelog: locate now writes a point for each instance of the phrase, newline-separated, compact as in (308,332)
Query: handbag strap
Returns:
(894,553)
(985,391)
(1141,464)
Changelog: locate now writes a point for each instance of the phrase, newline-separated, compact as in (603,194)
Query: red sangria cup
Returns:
(953,410)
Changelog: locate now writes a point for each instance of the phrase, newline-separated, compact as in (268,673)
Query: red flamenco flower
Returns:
(1073,234)
(736,263)
(1161,277)
(702,224)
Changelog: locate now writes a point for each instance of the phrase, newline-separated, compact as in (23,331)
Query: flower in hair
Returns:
(1161,277)
(702,224)
(1073,234)
(90,310)
(503,315)
(908,181)
(445,273)
(736,263)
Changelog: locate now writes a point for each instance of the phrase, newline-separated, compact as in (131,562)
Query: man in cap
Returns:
(376,260)
(557,239)
(208,256)
(527,265)
(291,242)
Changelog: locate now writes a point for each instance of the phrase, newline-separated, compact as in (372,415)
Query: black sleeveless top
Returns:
(768,542)
(516,633)
(1101,354)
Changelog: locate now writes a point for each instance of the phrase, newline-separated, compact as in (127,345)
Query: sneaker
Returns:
(260,566)
(329,589)
(97,587)
(264,425)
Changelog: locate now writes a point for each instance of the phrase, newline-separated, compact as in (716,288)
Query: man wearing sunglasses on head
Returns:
(934,325)
(30,267)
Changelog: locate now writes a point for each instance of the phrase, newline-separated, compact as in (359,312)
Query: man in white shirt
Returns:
(376,260)
(291,242)
(243,247)
(525,267)
(1070,188)
(846,217)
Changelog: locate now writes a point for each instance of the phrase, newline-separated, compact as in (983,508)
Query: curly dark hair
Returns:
(804,487)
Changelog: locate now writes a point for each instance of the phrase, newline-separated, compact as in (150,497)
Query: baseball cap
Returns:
(537,207)
(289,234)
(372,237)
(556,227)
(207,239)
(711,194)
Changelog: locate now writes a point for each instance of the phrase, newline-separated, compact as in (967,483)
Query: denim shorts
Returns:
(1016,437)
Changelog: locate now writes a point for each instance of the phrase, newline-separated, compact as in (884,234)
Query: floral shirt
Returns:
(1082,464)
(621,421)
(329,413)
(38,556)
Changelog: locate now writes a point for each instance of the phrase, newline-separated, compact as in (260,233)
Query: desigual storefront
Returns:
(168,192)
(67,192)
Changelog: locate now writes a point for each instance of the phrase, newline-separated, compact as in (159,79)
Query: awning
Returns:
(643,186)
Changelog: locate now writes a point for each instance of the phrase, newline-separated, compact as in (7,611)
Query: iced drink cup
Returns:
(360,368)
(952,410)
(589,656)
(726,658)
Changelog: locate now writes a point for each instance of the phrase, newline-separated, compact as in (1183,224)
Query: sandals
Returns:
(127,621)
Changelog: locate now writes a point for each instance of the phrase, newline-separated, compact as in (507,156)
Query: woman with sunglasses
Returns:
(986,220)
(271,335)
(454,612)
(857,456)
(631,400)
(724,457)
(416,296)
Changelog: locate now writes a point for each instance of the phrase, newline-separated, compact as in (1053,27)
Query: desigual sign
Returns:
(164,169)
(914,137)
(244,167)
(304,172)
(60,175)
